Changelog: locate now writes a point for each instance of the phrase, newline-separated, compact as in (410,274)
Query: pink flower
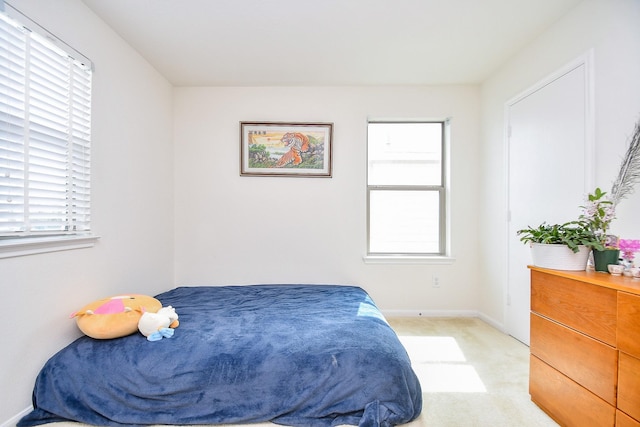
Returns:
(629,248)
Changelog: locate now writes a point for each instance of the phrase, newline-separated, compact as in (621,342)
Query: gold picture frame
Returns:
(286,149)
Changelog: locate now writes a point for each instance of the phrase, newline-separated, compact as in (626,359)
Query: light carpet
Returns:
(471,375)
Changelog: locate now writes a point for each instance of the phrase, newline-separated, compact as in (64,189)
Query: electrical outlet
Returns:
(435,281)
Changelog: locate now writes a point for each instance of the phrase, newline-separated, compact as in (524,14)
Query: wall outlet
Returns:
(435,281)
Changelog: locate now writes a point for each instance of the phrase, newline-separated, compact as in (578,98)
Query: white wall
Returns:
(232,229)
(132,196)
(241,230)
(608,27)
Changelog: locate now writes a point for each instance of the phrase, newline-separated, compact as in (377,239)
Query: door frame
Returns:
(586,61)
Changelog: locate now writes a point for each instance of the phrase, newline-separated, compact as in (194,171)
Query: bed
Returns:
(300,355)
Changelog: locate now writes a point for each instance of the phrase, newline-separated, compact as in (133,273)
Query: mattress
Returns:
(300,355)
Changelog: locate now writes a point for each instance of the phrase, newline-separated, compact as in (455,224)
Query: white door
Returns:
(549,141)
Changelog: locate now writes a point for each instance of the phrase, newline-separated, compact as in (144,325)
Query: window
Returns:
(406,188)
(45,129)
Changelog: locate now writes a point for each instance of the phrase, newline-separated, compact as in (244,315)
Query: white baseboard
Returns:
(11,422)
(430,313)
(491,321)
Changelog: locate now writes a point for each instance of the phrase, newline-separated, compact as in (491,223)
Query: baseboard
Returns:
(11,422)
(491,321)
(430,313)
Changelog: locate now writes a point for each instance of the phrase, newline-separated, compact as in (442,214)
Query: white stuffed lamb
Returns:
(156,326)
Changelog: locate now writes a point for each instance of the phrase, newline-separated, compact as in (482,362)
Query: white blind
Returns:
(45,129)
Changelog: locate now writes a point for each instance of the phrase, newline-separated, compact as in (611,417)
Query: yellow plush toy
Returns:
(114,317)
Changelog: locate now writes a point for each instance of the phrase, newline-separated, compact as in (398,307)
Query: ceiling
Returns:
(328,42)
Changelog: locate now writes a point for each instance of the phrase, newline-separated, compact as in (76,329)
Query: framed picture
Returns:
(285,149)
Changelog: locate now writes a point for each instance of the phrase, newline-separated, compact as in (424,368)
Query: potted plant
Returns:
(561,246)
(597,214)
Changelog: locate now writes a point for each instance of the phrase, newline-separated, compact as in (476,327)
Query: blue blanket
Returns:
(301,355)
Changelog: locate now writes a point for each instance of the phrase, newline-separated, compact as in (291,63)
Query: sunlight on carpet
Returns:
(440,365)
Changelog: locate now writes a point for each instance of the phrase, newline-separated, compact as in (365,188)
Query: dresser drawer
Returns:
(629,385)
(629,323)
(590,363)
(566,401)
(587,308)
(624,420)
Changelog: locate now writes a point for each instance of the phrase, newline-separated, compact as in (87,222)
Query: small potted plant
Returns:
(561,246)
(598,213)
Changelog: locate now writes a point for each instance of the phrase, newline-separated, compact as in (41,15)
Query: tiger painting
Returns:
(297,143)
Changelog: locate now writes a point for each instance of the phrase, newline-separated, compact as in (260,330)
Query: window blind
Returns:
(45,130)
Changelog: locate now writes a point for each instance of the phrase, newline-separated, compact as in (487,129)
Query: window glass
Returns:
(405,154)
(406,193)
(404,222)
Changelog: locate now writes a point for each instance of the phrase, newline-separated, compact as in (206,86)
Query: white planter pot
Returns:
(559,257)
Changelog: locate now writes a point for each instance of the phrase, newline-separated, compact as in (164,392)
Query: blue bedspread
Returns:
(301,355)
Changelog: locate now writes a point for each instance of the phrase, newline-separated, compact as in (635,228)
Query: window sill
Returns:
(38,245)
(407,259)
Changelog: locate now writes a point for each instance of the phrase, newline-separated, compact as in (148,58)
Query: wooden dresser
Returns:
(585,347)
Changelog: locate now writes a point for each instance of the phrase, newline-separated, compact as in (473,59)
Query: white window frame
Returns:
(444,254)
(25,240)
